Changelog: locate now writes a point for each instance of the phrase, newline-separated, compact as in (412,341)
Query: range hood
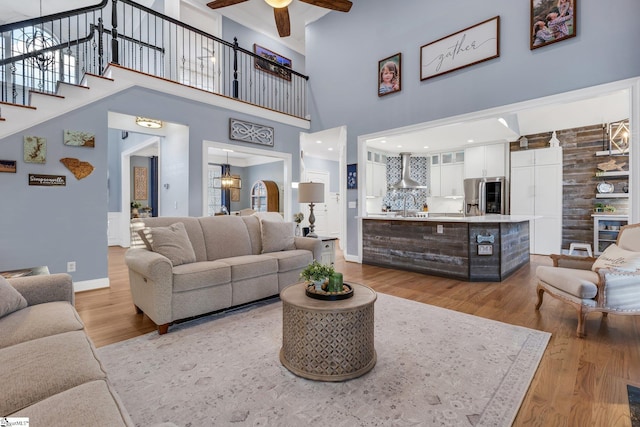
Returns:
(405,181)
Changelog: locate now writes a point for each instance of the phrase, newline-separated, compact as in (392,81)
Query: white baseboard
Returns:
(88,285)
(352,258)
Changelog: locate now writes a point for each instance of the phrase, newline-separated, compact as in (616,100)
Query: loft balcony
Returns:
(41,55)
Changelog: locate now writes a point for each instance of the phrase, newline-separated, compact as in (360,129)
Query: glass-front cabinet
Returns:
(606,229)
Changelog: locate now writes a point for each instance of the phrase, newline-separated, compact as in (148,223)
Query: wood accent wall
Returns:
(579,182)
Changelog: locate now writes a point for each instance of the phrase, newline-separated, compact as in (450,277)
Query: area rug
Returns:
(436,367)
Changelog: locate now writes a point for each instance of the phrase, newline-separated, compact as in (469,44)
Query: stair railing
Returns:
(39,53)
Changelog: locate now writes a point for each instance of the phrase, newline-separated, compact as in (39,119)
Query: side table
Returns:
(328,340)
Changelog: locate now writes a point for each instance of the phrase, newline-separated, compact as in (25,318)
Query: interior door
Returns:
(319,209)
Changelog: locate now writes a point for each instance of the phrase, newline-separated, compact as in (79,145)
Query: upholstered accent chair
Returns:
(607,284)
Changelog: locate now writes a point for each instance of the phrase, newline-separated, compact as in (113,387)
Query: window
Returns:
(43,71)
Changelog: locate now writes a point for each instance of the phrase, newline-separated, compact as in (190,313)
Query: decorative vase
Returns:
(318,284)
(298,232)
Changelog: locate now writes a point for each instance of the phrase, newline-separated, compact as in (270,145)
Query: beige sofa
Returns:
(49,369)
(225,261)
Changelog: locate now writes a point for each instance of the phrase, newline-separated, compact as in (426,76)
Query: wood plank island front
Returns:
(481,248)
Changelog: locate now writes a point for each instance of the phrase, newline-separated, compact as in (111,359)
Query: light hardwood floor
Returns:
(580,382)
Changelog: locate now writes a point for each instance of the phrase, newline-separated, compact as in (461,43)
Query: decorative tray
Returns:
(347,292)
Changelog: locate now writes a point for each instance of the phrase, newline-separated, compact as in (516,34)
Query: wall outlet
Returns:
(439,229)
(71,266)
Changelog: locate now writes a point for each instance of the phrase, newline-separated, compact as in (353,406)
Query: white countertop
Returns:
(469,219)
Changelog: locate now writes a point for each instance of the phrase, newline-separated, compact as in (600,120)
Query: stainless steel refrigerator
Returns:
(485,196)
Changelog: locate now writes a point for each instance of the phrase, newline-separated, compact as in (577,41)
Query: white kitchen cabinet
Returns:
(376,179)
(447,174)
(484,160)
(451,179)
(536,189)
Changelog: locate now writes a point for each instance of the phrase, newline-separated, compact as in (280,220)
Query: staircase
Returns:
(168,56)
(42,107)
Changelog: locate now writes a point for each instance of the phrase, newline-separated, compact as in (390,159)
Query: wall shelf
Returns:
(612,153)
(612,196)
(612,173)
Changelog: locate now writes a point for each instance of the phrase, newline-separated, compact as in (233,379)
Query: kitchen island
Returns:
(478,248)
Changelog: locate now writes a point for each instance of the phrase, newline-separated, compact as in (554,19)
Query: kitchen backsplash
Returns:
(419,172)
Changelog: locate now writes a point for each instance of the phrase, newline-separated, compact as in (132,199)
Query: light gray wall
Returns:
(343,51)
(53,225)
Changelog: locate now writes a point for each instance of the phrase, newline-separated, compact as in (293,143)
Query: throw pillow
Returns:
(172,242)
(618,258)
(146,237)
(277,236)
(10,299)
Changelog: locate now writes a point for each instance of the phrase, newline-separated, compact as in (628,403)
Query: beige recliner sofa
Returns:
(235,260)
(49,369)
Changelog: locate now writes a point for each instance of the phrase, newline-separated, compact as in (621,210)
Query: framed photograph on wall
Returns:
(273,57)
(475,44)
(552,21)
(352,176)
(389,75)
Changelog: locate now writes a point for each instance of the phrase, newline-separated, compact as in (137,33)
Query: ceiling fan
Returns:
(281,10)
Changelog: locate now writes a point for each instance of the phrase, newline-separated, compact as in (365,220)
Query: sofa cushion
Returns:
(277,236)
(253,228)
(618,258)
(10,299)
(191,224)
(579,283)
(36,369)
(292,260)
(200,275)
(225,236)
(172,242)
(37,321)
(94,403)
(249,266)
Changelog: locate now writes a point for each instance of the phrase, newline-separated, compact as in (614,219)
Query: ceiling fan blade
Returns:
(217,4)
(282,21)
(339,5)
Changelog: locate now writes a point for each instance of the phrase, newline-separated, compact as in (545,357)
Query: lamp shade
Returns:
(311,192)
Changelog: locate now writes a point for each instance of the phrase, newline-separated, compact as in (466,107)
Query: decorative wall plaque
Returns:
(140,183)
(47,180)
(251,132)
(35,149)
(78,138)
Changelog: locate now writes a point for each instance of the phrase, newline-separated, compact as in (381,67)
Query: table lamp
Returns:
(311,192)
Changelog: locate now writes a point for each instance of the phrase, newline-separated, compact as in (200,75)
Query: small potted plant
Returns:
(317,273)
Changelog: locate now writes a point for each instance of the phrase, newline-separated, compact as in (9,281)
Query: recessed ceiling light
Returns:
(330,149)
(426,146)
(469,140)
(399,146)
(318,142)
(228,150)
(383,142)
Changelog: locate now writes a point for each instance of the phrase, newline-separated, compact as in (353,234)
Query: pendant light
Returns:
(226,180)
